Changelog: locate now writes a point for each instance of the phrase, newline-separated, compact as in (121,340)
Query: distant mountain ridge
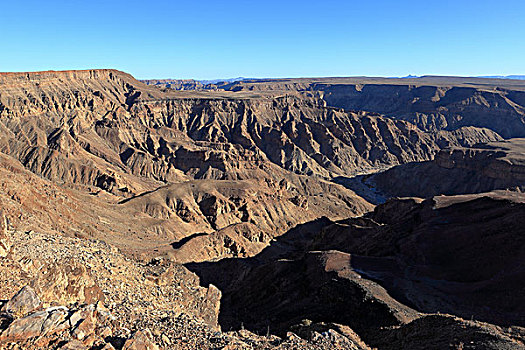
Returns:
(231,80)
(192,84)
(517,77)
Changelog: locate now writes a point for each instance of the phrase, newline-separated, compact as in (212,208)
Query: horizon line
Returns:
(409,76)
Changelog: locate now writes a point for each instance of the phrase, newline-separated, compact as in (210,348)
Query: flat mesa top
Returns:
(440,81)
(274,83)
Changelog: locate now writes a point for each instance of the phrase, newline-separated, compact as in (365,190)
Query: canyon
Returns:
(329,213)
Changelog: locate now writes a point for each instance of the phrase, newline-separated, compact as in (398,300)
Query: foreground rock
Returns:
(22,303)
(94,327)
(160,296)
(85,327)
(5,243)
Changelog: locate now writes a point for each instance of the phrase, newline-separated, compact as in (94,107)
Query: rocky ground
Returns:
(71,293)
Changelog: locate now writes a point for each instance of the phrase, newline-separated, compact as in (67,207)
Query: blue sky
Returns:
(222,39)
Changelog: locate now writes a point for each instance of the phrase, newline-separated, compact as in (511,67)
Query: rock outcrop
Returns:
(22,303)
(80,327)
(5,243)
(66,282)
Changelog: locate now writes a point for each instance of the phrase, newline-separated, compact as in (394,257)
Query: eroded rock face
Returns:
(459,170)
(169,136)
(431,103)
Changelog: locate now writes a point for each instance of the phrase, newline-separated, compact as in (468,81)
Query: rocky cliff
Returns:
(102,127)
(431,103)
(104,133)
(458,170)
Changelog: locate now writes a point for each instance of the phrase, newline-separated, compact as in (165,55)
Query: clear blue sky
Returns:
(221,39)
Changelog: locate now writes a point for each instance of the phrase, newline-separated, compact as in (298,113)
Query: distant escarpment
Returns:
(186,84)
(431,103)
(437,108)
